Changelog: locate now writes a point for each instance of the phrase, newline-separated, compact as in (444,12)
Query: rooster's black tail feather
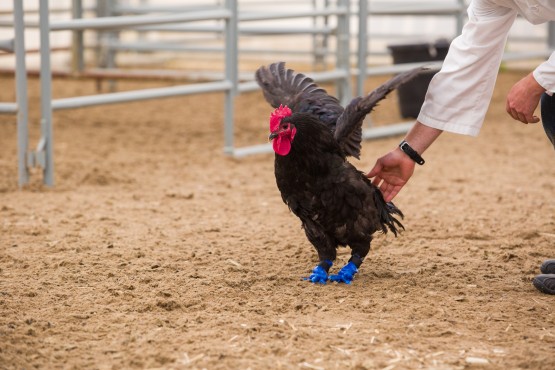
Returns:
(387,213)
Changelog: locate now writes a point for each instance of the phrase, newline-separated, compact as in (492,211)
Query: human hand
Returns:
(523,99)
(391,172)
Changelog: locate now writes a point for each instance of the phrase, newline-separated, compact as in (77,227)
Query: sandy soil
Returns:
(154,250)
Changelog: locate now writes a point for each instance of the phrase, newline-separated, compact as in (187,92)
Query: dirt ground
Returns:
(156,251)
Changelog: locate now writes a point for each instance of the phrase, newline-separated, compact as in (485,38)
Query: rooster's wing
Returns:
(282,86)
(348,129)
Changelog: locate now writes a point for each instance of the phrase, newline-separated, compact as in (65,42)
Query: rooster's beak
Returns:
(272,136)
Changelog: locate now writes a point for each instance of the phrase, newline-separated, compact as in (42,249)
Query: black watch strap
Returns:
(405,147)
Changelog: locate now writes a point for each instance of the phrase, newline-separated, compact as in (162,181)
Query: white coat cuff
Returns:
(545,74)
(462,129)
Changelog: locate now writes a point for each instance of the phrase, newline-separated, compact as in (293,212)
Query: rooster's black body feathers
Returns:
(336,203)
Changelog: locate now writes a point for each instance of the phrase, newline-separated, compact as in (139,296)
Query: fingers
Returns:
(519,116)
(376,181)
(523,118)
(381,184)
(374,174)
(388,178)
(374,171)
(390,191)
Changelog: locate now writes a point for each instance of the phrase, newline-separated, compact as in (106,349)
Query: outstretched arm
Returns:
(392,171)
(458,96)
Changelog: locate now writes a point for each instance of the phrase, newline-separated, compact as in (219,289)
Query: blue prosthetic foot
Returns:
(346,274)
(320,273)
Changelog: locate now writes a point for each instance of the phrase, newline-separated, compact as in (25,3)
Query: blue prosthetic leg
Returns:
(320,272)
(347,273)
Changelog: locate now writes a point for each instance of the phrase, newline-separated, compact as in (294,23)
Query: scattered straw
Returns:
(547,333)
(476,361)
(346,352)
(186,360)
(282,321)
(344,326)
(310,366)
(234,263)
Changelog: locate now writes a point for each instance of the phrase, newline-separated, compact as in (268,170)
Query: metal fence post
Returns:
(77,47)
(362,52)
(319,41)
(46,143)
(106,56)
(21,93)
(461,17)
(551,35)
(343,53)
(231,66)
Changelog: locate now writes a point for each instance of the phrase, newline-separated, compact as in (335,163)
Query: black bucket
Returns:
(412,94)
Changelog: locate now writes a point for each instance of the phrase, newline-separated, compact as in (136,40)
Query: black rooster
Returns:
(312,135)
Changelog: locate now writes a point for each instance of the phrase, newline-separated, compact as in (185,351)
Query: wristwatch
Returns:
(405,147)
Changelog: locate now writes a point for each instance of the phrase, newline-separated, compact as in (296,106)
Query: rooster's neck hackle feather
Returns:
(312,140)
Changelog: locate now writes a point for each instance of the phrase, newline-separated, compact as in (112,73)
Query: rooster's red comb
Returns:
(277,115)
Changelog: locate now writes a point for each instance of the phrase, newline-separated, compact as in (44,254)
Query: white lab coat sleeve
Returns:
(545,74)
(459,94)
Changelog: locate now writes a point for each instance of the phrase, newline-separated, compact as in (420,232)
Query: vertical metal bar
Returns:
(142,34)
(99,49)
(319,39)
(231,65)
(460,17)
(46,94)
(362,45)
(551,35)
(21,93)
(77,48)
(343,53)
(325,37)
(113,37)
(314,36)
(105,55)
